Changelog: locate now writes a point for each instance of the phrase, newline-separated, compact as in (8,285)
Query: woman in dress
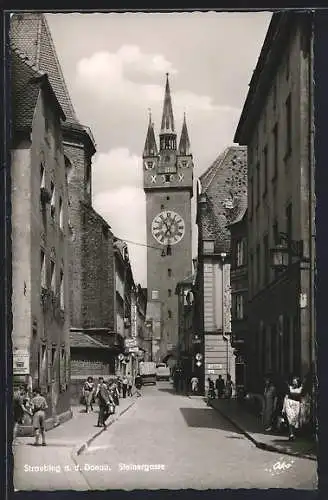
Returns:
(270,401)
(292,407)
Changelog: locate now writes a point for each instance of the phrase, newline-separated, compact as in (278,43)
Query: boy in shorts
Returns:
(39,405)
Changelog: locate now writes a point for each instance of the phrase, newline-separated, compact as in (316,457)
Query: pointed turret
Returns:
(167,136)
(184,144)
(150,148)
(167,117)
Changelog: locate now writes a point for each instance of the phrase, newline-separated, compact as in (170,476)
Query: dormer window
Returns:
(167,177)
(150,165)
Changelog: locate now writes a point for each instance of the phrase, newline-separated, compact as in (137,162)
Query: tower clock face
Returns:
(168,228)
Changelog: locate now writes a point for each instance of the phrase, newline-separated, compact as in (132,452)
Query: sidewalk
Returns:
(252,428)
(52,467)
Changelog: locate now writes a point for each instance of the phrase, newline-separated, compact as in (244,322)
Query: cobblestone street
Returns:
(190,445)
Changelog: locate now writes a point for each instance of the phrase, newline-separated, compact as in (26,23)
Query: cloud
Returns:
(120,200)
(115,76)
(115,169)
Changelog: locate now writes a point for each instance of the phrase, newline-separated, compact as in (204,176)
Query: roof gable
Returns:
(30,33)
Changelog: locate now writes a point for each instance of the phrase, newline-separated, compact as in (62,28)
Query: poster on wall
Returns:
(21,362)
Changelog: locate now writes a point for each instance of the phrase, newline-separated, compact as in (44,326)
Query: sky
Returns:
(114,67)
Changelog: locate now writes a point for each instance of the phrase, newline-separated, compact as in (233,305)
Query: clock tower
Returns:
(168,185)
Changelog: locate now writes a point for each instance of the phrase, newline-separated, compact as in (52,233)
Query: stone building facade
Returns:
(240,340)
(40,253)
(277,126)
(219,192)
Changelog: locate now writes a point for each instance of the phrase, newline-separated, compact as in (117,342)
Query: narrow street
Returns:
(194,446)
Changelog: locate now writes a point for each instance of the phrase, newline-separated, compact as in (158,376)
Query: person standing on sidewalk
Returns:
(20,410)
(194,385)
(130,384)
(39,405)
(88,393)
(124,386)
(104,401)
(228,387)
(292,407)
(270,401)
(220,386)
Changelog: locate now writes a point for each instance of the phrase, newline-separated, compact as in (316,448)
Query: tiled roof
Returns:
(79,339)
(240,210)
(24,94)
(30,34)
(225,185)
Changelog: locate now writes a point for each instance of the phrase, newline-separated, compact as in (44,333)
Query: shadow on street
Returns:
(206,418)
(170,391)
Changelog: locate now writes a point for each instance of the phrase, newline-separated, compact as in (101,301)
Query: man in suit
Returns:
(104,401)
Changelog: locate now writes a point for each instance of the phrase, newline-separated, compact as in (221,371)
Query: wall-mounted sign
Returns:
(214,366)
(199,356)
(21,362)
(199,363)
(120,357)
(128,342)
(211,372)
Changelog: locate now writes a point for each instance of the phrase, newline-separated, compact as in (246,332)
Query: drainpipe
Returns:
(223,256)
(312,202)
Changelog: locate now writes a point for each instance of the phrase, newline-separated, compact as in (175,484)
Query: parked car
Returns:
(163,372)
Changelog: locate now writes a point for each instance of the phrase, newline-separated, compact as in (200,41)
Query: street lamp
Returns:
(280,255)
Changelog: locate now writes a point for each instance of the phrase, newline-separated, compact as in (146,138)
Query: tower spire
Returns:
(150,148)
(167,117)
(184,144)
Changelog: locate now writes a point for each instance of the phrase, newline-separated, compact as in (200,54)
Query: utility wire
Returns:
(139,244)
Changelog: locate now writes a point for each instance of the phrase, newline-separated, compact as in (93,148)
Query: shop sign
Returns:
(21,362)
(214,366)
(134,349)
(130,343)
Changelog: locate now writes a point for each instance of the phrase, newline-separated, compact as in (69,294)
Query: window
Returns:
(274,95)
(88,179)
(275,235)
(53,276)
(251,273)
(240,253)
(167,197)
(154,295)
(251,197)
(169,292)
(266,258)
(42,176)
(169,314)
(258,266)
(239,306)
(258,184)
(61,217)
(53,200)
(169,273)
(61,291)
(289,226)
(288,125)
(208,246)
(167,177)
(275,151)
(162,207)
(53,355)
(265,171)
(43,270)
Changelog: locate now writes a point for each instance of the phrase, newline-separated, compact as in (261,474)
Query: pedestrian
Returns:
(194,384)
(19,409)
(220,386)
(115,393)
(228,387)
(124,386)
(88,393)
(39,405)
(270,400)
(104,402)
(211,390)
(130,384)
(292,407)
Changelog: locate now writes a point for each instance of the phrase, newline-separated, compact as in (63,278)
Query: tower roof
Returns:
(167,117)
(30,34)
(150,148)
(184,145)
